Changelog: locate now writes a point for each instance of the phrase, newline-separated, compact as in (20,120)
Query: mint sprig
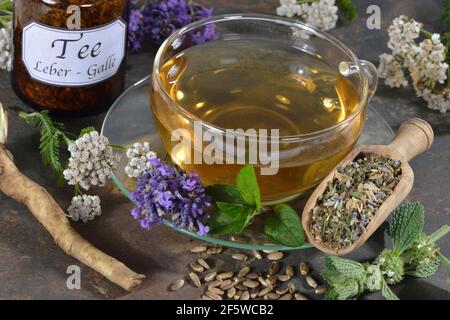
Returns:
(237,206)
(284,226)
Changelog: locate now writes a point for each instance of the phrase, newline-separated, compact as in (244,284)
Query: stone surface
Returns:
(32,267)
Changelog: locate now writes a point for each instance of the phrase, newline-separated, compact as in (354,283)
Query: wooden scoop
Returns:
(414,137)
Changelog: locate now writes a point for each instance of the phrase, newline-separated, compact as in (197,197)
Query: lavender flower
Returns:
(166,192)
(162,18)
(137,30)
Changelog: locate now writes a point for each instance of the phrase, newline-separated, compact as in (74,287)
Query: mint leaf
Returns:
(406,225)
(284,227)
(446,263)
(387,293)
(224,193)
(247,184)
(230,218)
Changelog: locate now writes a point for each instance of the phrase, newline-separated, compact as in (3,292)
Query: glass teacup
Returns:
(261,90)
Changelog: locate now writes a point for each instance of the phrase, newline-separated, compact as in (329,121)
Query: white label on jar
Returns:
(73,58)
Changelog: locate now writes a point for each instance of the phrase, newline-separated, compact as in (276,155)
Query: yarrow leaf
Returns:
(86,131)
(347,10)
(284,227)
(52,138)
(406,225)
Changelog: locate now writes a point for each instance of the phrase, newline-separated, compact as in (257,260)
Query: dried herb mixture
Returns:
(352,198)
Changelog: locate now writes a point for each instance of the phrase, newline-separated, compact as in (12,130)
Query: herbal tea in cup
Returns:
(277,102)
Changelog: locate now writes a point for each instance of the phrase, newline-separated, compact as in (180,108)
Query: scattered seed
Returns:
(250,283)
(204,297)
(274,267)
(244,271)
(231,293)
(238,295)
(264,291)
(289,270)
(272,296)
(214,250)
(257,255)
(272,279)
(262,281)
(281,291)
(233,238)
(195,279)
(275,256)
(225,275)
(240,286)
(291,287)
(176,285)
(213,295)
(299,296)
(252,275)
(197,267)
(320,291)
(215,284)
(227,284)
(245,295)
(217,291)
(284,277)
(311,282)
(269,251)
(304,269)
(239,257)
(203,263)
(210,276)
(198,249)
(254,293)
(287,296)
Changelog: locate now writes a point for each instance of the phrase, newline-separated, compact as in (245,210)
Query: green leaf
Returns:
(442,231)
(230,218)
(387,293)
(446,263)
(406,225)
(347,10)
(224,193)
(86,131)
(247,184)
(284,227)
(336,267)
(343,290)
(51,140)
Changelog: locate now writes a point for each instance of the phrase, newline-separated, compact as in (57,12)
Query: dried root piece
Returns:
(45,209)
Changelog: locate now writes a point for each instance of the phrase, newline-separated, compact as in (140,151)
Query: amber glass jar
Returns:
(70,55)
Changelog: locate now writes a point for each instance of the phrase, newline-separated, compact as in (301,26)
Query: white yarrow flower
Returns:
(425,61)
(139,155)
(6,46)
(321,14)
(391,70)
(84,208)
(91,161)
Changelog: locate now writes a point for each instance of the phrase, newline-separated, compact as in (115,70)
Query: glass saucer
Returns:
(130,120)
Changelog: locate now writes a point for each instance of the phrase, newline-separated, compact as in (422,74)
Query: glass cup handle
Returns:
(347,68)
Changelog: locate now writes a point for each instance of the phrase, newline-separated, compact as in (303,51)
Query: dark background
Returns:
(32,267)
